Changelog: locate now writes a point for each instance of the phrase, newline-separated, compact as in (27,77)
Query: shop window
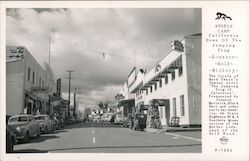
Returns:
(166,79)
(40,82)
(173,75)
(174,107)
(28,73)
(160,83)
(33,77)
(182,105)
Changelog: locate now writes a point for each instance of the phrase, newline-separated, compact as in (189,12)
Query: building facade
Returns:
(29,86)
(174,82)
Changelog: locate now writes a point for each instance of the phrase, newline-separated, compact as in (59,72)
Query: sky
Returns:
(129,37)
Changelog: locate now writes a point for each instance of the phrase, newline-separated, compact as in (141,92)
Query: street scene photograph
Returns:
(103,80)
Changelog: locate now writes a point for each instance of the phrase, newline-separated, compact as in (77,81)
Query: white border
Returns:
(205,5)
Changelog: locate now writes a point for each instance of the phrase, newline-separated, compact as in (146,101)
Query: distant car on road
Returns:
(10,140)
(119,119)
(45,123)
(24,126)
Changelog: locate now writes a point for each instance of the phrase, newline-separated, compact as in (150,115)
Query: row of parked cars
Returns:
(136,121)
(23,127)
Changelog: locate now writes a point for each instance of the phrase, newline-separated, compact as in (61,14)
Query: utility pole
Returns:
(70,71)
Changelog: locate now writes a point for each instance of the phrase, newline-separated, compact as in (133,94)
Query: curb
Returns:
(177,130)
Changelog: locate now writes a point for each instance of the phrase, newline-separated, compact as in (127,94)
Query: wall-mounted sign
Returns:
(65,102)
(39,89)
(177,45)
(58,87)
(14,53)
(119,97)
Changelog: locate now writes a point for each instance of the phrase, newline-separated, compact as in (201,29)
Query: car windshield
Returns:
(39,118)
(18,119)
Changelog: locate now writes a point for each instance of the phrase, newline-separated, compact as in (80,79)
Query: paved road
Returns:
(108,138)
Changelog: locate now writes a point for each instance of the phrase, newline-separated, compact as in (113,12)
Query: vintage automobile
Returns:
(45,123)
(138,121)
(10,140)
(24,126)
(119,119)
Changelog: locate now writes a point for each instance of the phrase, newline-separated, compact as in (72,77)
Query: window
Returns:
(180,65)
(33,77)
(166,79)
(146,91)
(151,89)
(29,73)
(174,107)
(156,86)
(160,82)
(173,75)
(182,105)
(40,82)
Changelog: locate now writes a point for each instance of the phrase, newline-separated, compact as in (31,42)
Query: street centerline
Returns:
(185,137)
(93,140)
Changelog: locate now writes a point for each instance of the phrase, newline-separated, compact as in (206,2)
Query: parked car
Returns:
(24,126)
(45,123)
(119,119)
(10,140)
(139,121)
(96,118)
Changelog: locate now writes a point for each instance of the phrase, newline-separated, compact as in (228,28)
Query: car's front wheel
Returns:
(10,146)
(26,137)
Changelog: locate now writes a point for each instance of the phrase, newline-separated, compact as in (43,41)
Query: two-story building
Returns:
(174,82)
(28,84)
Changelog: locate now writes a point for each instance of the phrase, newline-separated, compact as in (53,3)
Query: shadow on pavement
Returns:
(125,147)
(40,139)
(30,151)
(94,124)
(58,131)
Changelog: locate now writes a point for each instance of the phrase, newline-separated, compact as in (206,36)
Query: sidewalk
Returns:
(175,129)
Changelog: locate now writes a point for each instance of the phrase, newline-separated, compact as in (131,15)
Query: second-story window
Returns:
(160,83)
(28,73)
(166,79)
(155,86)
(173,75)
(40,82)
(151,89)
(33,77)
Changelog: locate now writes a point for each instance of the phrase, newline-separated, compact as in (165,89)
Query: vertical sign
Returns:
(58,87)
